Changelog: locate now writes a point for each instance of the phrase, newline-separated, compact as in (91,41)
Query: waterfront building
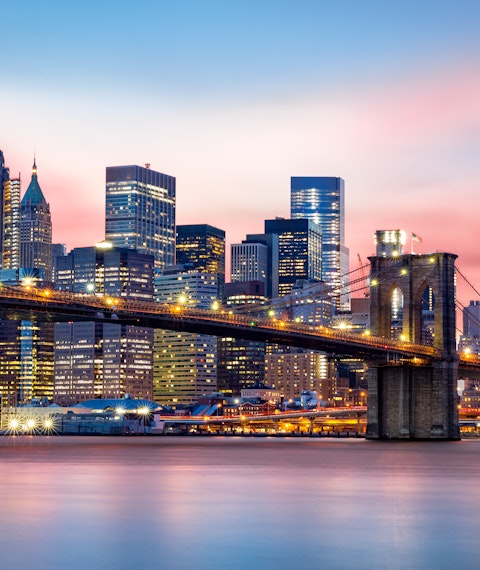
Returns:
(36,229)
(26,350)
(299,247)
(241,363)
(202,247)
(140,211)
(322,200)
(263,392)
(292,371)
(185,365)
(108,360)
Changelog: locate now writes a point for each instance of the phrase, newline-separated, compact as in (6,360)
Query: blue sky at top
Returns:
(235,97)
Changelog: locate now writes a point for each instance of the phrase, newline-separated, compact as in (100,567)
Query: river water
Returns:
(199,503)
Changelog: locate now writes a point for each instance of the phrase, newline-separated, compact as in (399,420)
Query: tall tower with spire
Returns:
(36,229)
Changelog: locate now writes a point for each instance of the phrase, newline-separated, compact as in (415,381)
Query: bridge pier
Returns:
(408,400)
(413,402)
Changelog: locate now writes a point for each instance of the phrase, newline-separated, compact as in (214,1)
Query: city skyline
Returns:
(240,98)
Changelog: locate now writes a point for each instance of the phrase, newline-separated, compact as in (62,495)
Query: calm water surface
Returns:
(238,503)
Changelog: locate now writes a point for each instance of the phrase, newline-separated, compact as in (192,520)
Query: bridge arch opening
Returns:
(396,302)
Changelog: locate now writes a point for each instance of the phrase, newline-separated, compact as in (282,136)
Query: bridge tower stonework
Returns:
(414,399)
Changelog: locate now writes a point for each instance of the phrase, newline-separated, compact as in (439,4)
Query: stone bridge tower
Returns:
(414,399)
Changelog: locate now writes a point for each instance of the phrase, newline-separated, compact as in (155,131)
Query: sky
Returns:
(235,97)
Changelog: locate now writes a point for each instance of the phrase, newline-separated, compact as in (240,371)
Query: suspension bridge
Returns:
(412,385)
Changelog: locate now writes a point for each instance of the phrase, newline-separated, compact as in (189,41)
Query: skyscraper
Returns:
(185,365)
(36,229)
(9,218)
(104,360)
(241,363)
(4,176)
(249,262)
(299,251)
(140,211)
(203,247)
(322,199)
(26,351)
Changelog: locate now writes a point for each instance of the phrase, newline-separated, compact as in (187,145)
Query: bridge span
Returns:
(412,388)
(42,304)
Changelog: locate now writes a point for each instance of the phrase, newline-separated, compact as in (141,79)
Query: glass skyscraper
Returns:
(322,200)
(9,218)
(299,251)
(203,247)
(140,211)
(104,360)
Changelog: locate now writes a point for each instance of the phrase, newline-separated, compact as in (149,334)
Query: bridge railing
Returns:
(106,303)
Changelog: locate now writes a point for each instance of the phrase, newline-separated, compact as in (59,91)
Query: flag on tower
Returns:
(416,238)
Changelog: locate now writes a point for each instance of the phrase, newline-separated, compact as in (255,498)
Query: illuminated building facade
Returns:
(9,218)
(104,360)
(58,250)
(299,244)
(108,270)
(389,243)
(140,212)
(241,363)
(469,341)
(271,243)
(308,302)
(26,351)
(203,247)
(36,229)
(322,200)
(11,224)
(294,371)
(185,365)
(4,177)
(249,262)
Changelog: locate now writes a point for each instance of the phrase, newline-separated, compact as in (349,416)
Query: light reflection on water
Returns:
(237,503)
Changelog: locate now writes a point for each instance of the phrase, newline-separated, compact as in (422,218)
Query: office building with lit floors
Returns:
(202,247)
(249,262)
(293,371)
(185,364)
(299,244)
(26,347)
(140,211)
(241,363)
(9,218)
(104,360)
(322,200)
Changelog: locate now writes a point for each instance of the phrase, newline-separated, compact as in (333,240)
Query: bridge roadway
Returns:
(45,305)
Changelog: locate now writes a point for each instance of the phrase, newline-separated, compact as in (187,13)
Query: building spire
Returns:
(34,167)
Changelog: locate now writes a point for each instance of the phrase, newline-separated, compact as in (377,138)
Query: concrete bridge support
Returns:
(407,400)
